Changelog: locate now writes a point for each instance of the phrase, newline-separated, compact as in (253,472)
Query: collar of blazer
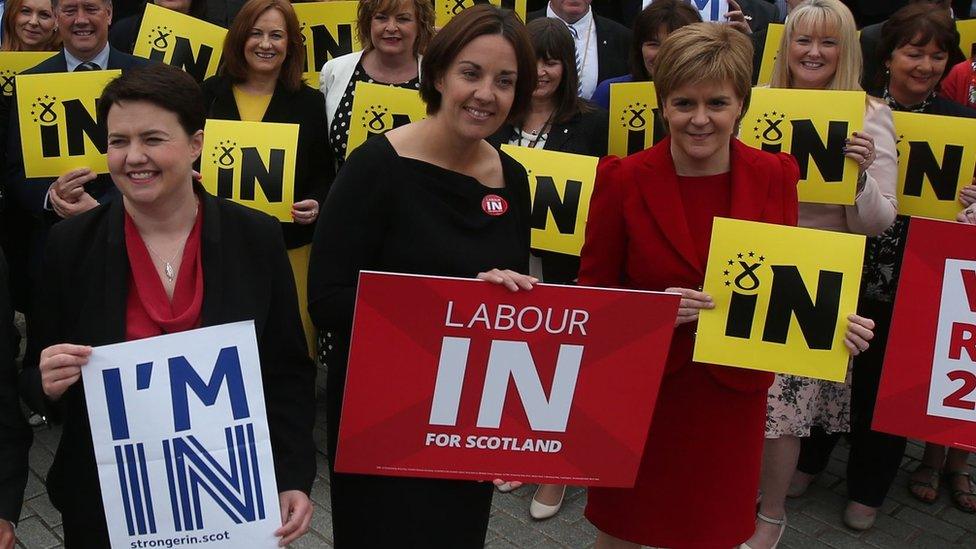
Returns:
(657,182)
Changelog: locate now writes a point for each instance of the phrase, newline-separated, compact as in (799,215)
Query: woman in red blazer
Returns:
(649,228)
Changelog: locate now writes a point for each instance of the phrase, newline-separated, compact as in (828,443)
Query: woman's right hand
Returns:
(61,367)
(967,194)
(510,279)
(691,303)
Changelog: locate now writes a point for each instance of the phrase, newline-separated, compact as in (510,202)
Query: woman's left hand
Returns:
(296,516)
(860,148)
(737,19)
(510,279)
(860,331)
(305,212)
(967,216)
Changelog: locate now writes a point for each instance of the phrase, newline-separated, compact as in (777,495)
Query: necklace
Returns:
(896,106)
(537,135)
(168,268)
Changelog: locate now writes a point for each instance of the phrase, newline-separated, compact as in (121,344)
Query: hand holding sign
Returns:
(859,147)
(691,303)
(859,332)
(60,367)
(737,18)
(510,279)
(296,515)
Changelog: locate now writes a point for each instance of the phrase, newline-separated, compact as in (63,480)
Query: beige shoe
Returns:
(541,511)
(775,522)
(856,520)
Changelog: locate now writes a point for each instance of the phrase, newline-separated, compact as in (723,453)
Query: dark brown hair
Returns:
(234,64)
(423,12)
(918,24)
(670,14)
(166,87)
(551,40)
(480,20)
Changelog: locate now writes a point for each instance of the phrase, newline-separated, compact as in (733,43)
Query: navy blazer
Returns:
(246,276)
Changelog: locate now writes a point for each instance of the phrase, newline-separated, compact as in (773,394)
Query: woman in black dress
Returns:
(411,201)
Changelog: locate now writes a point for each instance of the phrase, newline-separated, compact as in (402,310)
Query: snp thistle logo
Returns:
(223,153)
(159,40)
(635,120)
(7,81)
(767,128)
(378,120)
(42,110)
(751,279)
(77,123)
(455,7)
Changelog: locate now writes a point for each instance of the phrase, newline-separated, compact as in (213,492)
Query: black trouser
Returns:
(874,457)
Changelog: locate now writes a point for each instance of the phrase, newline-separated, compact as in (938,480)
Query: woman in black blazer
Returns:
(132,268)
(558,120)
(251,88)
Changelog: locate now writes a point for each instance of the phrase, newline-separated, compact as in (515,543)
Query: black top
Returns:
(313,164)
(15,435)
(339,129)
(86,279)
(123,34)
(422,220)
(883,254)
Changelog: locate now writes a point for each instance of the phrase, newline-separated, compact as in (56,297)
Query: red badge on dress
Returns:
(494,205)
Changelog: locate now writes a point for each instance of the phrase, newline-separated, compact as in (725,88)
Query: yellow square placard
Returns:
(632,107)
(59,130)
(13,63)
(251,163)
(179,40)
(774,33)
(447,9)
(328,31)
(561,185)
(782,296)
(812,125)
(378,109)
(936,158)
(967,35)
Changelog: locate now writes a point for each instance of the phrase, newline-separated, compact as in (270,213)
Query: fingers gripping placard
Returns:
(936,158)
(561,185)
(782,296)
(812,125)
(328,31)
(447,9)
(632,106)
(59,130)
(378,109)
(180,40)
(252,163)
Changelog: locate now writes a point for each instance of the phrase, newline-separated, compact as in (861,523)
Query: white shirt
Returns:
(586,50)
(101,59)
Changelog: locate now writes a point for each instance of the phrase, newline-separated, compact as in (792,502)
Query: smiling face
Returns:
(915,71)
(812,58)
(701,117)
(150,155)
(34,23)
(550,76)
(478,88)
(267,43)
(84,26)
(394,34)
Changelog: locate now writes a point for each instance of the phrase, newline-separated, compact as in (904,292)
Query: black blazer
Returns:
(315,168)
(123,34)
(612,46)
(582,134)
(246,276)
(15,434)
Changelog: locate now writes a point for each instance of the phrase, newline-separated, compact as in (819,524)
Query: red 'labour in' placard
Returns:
(928,386)
(454,378)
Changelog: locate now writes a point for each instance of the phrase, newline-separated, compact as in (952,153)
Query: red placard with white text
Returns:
(928,385)
(458,378)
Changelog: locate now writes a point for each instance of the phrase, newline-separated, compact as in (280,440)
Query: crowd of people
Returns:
(94,259)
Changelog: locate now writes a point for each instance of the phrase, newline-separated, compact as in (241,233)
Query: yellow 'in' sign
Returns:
(13,63)
(447,9)
(632,106)
(782,296)
(59,131)
(179,40)
(328,31)
(561,185)
(252,163)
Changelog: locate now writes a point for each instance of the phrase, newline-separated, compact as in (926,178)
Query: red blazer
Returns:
(637,235)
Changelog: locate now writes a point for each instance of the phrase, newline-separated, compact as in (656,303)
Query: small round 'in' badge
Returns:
(494,205)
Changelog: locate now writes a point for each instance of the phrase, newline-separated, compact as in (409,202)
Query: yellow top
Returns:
(251,106)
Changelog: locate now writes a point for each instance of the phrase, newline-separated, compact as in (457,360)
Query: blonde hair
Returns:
(704,52)
(828,18)
(423,14)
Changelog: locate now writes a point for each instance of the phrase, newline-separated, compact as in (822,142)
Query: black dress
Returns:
(391,213)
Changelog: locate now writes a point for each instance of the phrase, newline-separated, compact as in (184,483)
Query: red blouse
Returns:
(148,311)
